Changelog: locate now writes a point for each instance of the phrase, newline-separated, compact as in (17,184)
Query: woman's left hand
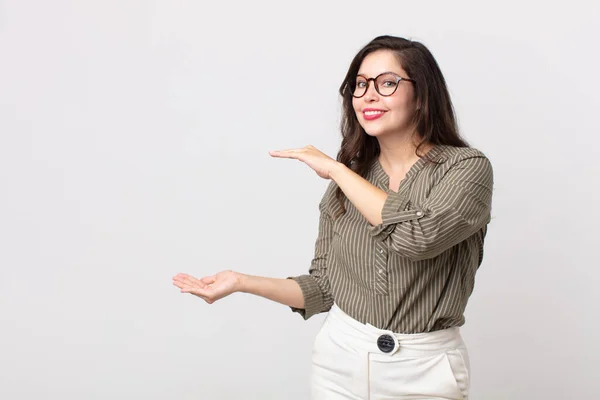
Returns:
(321,163)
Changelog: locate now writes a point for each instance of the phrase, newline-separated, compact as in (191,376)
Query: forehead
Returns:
(380,61)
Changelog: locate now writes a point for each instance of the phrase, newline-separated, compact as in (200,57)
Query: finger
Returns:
(291,153)
(208,280)
(198,292)
(179,277)
(195,290)
(204,294)
(285,150)
(197,282)
(185,285)
(180,285)
(282,155)
(182,276)
(188,280)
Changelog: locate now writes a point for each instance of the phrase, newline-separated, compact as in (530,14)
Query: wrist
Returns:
(242,282)
(337,170)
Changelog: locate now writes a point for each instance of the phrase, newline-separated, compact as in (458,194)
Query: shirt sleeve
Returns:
(458,207)
(315,286)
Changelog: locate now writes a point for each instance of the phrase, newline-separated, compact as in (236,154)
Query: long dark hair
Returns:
(434,118)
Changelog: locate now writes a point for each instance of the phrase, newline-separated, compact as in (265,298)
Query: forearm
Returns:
(284,291)
(367,199)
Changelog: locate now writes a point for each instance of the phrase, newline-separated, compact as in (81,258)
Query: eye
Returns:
(361,84)
(388,83)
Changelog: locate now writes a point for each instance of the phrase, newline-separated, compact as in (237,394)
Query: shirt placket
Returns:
(381,258)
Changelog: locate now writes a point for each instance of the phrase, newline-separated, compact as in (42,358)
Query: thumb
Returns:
(208,280)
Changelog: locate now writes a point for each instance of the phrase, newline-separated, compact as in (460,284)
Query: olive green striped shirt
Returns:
(415,271)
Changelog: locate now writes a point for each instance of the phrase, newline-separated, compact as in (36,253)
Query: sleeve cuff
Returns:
(313,297)
(391,215)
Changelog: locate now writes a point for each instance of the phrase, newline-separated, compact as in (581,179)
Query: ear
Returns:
(418,105)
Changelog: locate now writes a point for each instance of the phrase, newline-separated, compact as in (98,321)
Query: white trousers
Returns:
(348,363)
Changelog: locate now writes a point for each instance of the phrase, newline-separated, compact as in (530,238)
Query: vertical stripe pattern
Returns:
(415,271)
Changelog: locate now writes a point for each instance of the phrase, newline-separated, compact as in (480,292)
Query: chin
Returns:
(375,132)
(381,130)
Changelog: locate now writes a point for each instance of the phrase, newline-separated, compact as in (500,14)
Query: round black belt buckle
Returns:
(386,343)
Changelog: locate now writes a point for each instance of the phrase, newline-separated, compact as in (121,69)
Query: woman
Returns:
(401,235)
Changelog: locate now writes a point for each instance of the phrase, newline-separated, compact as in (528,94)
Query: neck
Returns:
(398,152)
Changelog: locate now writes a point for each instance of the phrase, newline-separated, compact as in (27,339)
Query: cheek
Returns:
(356,105)
(402,104)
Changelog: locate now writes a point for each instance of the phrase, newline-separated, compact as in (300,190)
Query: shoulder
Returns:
(452,154)
(464,157)
(461,163)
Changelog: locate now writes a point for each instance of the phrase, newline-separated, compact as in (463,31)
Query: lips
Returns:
(372,113)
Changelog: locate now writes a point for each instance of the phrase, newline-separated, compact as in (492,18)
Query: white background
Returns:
(134,139)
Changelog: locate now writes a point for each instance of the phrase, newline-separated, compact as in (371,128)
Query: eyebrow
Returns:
(384,72)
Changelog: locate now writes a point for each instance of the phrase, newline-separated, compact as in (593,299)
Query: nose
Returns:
(371,94)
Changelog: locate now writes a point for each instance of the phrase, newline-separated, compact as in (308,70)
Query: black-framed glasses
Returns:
(385,84)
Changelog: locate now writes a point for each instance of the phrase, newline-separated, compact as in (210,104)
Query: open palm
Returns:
(209,288)
(320,162)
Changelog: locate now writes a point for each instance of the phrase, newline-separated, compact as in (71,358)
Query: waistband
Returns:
(376,340)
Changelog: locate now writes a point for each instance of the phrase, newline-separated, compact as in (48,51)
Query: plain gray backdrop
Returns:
(134,139)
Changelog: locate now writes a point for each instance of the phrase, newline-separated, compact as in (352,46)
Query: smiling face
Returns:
(384,115)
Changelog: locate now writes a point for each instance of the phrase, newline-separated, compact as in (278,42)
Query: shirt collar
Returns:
(435,154)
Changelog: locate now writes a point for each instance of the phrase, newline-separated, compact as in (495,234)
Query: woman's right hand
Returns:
(209,288)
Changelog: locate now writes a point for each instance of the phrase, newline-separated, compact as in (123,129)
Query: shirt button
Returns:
(419,213)
(381,271)
(380,251)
